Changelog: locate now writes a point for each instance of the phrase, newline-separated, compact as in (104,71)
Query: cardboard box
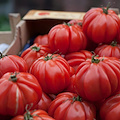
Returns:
(7,37)
(38,22)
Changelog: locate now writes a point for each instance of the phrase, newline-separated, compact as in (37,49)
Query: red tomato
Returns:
(17,90)
(52,72)
(34,115)
(12,63)
(44,102)
(112,50)
(66,39)
(101,25)
(41,39)
(69,106)
(34,52)
(110,109)
(98,78)
(76,58)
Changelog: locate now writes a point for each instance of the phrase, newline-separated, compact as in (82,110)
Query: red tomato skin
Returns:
(108,50)
(41,39)
(44,102)
(110,109)
(63,108)
(104,76)
(71,87)
(76,58)
(53,75)
(15,95)
(12,63)
(66,39)
(37,115)
(30,55)
(100,27)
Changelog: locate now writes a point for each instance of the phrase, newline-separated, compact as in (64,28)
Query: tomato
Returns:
(69,106)
(34,52)
(12,63)
(110,109)
(41,39)
(17,90)
(52,72)
(44,102)
(101,25)
(66,38)
(34,115)
(76,58)
(98,78)
(112,50)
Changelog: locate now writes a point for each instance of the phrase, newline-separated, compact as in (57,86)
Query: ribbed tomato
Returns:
(34,115)
(69,106)
(52,72)
(109,50)
(17,90)
(66,38)
(98,78)
(12,63)
(34,52)
(101,25)
(110,109)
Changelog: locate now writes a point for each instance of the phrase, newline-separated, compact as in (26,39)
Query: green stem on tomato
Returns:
(13,77)
(68,24)
(48,57)
(93,60)
(35,48)
(78,98)
(105,10)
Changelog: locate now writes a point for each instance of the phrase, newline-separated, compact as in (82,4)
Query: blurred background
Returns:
(23,6)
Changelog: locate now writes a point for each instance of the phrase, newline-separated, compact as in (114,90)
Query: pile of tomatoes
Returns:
(71,73)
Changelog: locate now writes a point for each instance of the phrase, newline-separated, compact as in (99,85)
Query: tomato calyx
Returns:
(48,57)
(93,60)
(28,115)
(78,98)
(68,24)
(114,43)
(35,48)
(13,77)
(105,10)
